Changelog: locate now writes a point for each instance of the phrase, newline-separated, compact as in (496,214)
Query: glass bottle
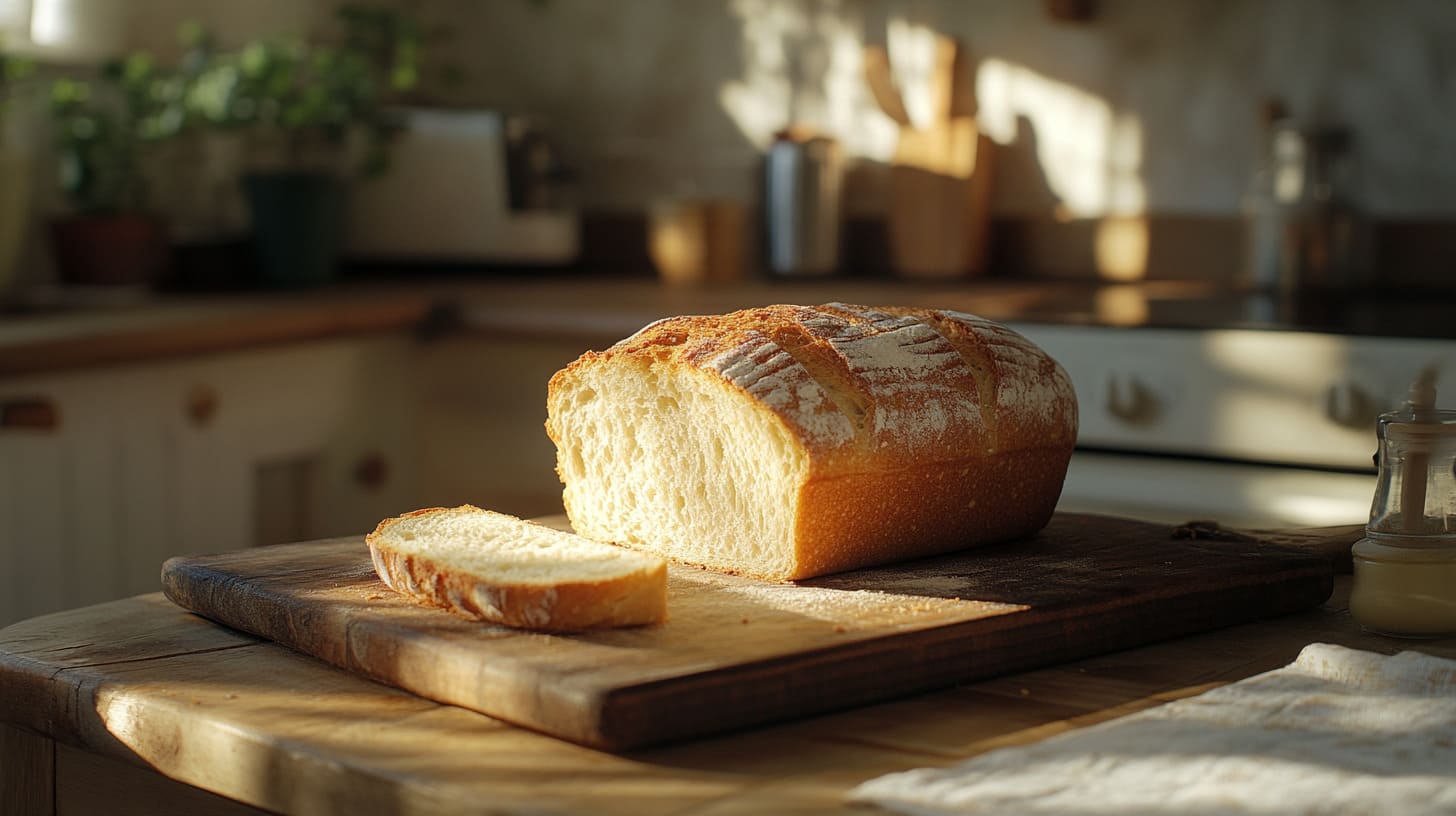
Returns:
(1303,231)
(1405,567)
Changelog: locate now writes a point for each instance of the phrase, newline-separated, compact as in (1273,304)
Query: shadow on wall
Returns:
(1084,163)
(1146,108)
(627,90)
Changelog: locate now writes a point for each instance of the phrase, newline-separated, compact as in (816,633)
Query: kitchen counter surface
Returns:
(599,311)
(594,310)
(145,708)
(163,328)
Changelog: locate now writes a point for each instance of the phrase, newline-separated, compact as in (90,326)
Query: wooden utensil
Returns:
(882,84)
(940,176)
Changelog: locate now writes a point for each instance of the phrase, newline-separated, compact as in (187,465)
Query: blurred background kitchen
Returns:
(274,270)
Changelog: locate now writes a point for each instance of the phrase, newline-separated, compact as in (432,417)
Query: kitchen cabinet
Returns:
(205,454)
(483,408)
(182,713)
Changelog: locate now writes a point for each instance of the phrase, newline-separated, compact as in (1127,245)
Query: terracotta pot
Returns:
(109,250)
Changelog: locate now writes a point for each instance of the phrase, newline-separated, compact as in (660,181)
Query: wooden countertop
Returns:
(136,688)
(167,328)
(597,311)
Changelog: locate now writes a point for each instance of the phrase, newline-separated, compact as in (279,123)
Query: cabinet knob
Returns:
(30,414)
(1131,401)
(1350,406)
(202,404)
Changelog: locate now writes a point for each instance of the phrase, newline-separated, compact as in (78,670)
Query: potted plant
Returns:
(103,130)
(14,169)
(313,115)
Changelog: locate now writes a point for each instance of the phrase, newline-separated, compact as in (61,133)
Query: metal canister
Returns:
(802,183)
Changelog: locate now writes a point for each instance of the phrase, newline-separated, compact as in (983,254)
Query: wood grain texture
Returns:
(143,681)
(736,652)
(27,773)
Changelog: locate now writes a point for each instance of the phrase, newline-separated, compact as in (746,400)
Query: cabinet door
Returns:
(204,455)
(83,504)
(294,432)
(32,525)
(483,414)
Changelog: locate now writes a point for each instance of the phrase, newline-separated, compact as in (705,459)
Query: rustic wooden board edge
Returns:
(700,704)
(206,584)
(676,710)
(1332,543)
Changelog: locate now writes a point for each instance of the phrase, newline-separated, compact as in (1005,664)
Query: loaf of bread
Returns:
(498,568)
(786,442)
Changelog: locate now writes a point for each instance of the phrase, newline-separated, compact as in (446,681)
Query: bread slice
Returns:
(498,568)
(785,442)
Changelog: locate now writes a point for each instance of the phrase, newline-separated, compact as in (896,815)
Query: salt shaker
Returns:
(1405,567)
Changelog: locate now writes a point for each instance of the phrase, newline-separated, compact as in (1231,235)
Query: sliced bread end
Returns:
(498,568)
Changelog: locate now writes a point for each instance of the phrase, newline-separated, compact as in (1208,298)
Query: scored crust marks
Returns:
(926,389)
(1029,383)
(761,352)
(852,376)
(976,356)
(843,375)
(778,379)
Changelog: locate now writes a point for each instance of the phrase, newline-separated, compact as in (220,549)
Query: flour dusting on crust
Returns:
(771,375)
(918,389)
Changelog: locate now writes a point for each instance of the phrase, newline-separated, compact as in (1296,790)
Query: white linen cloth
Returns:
(1338,731)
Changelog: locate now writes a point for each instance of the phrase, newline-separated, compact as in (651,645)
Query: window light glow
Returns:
(14,20)
(82,29)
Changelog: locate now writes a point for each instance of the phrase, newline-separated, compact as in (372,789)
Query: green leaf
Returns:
(137,67)
(256,59)
(194,35)
(68,90)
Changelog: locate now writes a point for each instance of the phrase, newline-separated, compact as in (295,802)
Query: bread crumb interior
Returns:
(676,461)
(503,549)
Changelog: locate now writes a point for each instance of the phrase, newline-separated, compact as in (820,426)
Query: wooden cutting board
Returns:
(738,652)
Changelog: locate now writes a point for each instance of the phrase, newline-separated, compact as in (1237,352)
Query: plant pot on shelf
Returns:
(297,224)
(109,250)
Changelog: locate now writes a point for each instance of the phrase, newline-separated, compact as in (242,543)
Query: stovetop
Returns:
(1366,313)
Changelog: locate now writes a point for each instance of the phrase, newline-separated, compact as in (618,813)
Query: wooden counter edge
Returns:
(244,329)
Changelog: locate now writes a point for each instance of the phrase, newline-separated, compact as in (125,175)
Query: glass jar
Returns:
(1405,567)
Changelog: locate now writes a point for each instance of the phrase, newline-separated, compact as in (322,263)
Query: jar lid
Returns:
(1422,425)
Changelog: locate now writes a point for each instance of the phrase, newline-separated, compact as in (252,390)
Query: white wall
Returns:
(1150,107)
(1161,94)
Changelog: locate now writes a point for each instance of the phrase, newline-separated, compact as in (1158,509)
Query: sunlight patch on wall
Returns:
(1120,247)
(803,65)
(14,19)
(911,48)
(64,30)
(1091,154)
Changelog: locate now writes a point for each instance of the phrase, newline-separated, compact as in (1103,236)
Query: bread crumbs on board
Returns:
(846,609)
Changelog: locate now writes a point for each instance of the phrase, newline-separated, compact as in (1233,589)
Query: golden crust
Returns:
(630,600)
(974,364)
(925,430)
(849,522)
